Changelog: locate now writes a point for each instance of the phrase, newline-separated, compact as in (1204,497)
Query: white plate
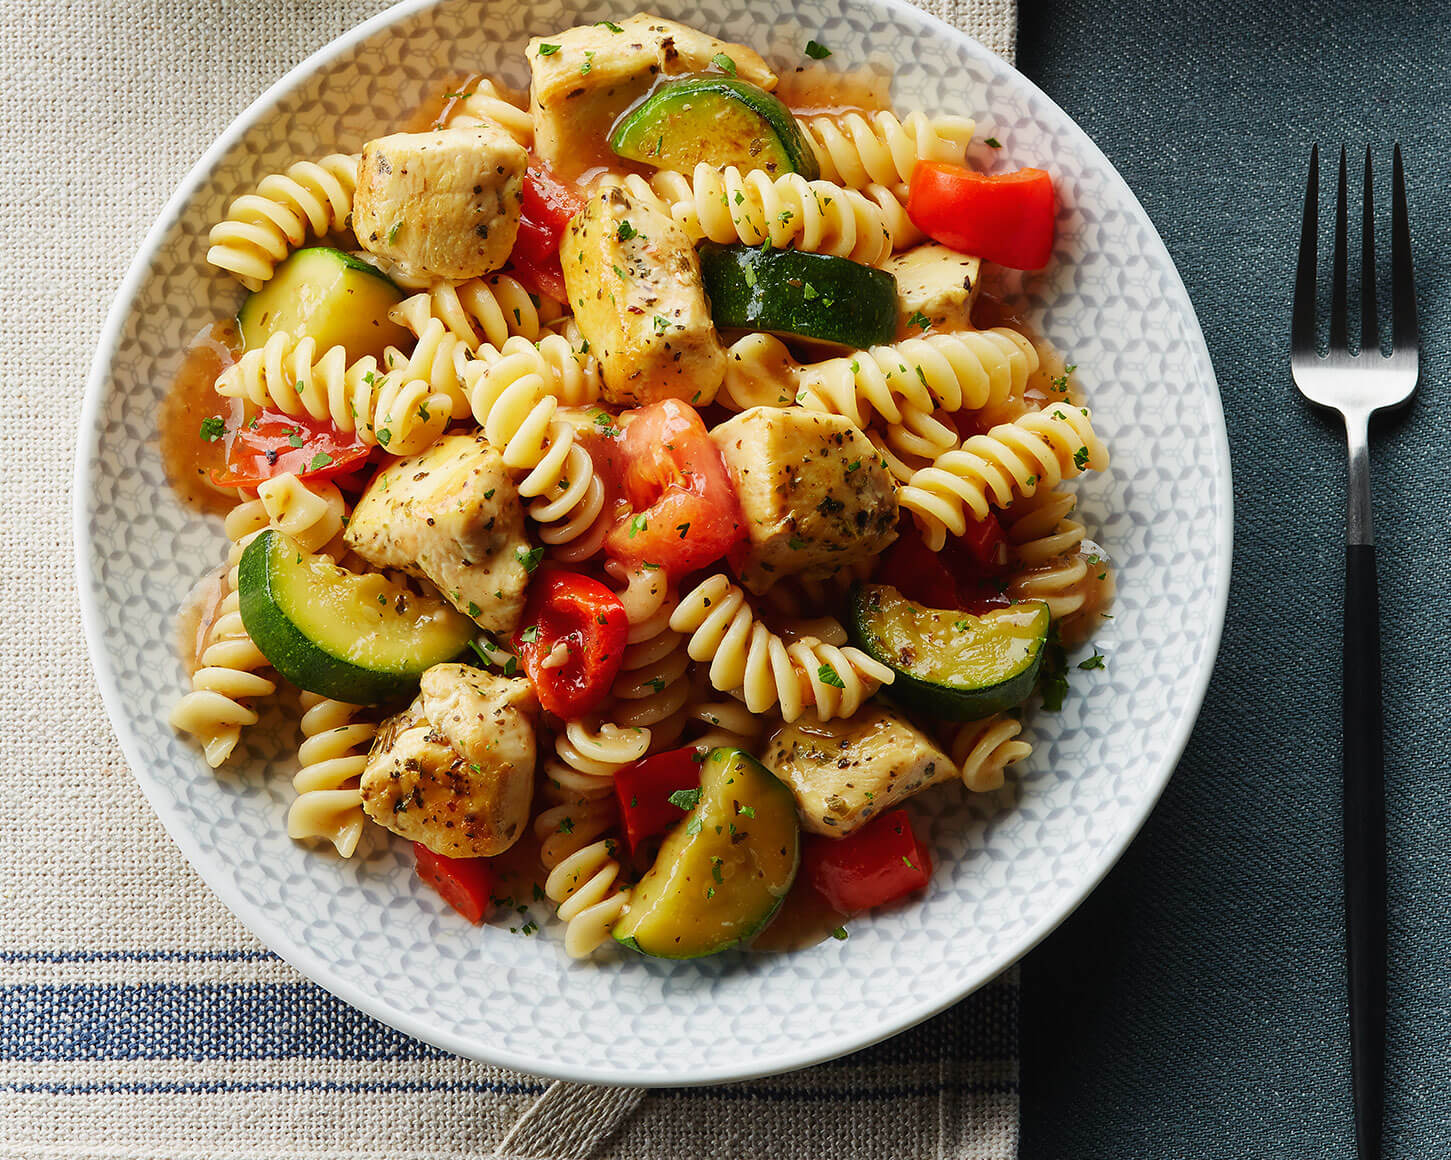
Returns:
(1010,866)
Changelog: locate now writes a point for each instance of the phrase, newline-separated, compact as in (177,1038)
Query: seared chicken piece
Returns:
(634,283)
(815,493)
(444,204)
(455,770)
(847,771)
(585,77)
(451,515)
(935,283)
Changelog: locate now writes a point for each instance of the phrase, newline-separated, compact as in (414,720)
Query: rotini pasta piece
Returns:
(311,514)
(728,724)
(484,103)
(650,691)
(492,309)
(227,677)
(856,150)
(311,198)
(983,748)
(1037,450)
(511,395)
(1055,564)
(332,756)
(748,657)
(571,375)
(785,211)
(402,416)
(590,897)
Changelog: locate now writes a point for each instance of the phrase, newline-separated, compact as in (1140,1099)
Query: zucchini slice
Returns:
(363,639)
(791,292)
(724,870)
(330,297)
(950,664)
(718,120)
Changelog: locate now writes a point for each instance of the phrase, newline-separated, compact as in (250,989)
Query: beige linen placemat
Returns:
(139,1018)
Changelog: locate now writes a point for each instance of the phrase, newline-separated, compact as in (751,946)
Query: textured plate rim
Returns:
(298,954)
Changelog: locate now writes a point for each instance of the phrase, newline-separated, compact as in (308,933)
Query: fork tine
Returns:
(1369,324)
(1404,332)
(1302,325)
(1338,293)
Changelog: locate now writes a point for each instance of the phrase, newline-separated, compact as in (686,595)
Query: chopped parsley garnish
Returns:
(385,436)
(626,232)
(1093,662)
(724,63)
(613,27)
(839,933)
(816,50)
(828,676)
(685,799)
(319,461)
(294,439)
(529,635)
(682,529)
(919,319)
(1080,458)
(638,524)
(746,811)
(548,49)
(993,143)
(1060,382)
(474,610)
(662,324)
(589,63)
(694,826)
(530,558)
(213,428)
(490,493)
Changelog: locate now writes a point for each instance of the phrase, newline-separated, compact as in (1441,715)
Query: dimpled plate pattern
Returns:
(1010,865)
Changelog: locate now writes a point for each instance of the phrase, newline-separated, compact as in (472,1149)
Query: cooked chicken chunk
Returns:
(444,204)
(452,515)
(845,772)
(815,493)
(585,77)
(455,770)
(634,283)
(934,283)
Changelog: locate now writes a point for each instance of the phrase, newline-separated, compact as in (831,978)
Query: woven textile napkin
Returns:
(137,1017)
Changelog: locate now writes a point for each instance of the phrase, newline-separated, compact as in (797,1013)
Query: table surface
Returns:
(1195,1005)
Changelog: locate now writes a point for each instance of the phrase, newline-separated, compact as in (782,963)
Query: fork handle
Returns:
(1365,865)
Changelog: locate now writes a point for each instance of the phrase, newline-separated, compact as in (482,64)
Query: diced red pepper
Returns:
(916,571)
(879,863)
(547,206)
(644,790)
(585,619)
(1007,218)
(273,444)
(466,884)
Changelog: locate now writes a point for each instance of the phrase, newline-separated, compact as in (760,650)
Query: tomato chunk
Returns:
(466,884)
(1006,218)
(572,641)
(681,510)
(273,444)
(916,571)
(644,790)
(880,862)
(967,574)
(547,206)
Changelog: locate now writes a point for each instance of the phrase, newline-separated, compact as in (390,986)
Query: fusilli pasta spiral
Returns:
(1037,450)
(1053,562)
(484,104)
(855,150)
(983,748)
(590,898)
(402,416)
(311,198)
(332,757)
(216,709)
(491,309)
(786,211)
(748,659)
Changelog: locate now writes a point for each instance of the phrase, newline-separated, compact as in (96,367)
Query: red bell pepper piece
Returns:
(880,862)
(644,790)
(917,572)
(466,884)
(274,443)
(547,206)
(572,641)
(1006,218)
